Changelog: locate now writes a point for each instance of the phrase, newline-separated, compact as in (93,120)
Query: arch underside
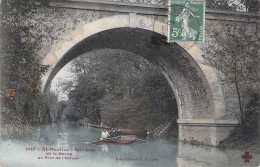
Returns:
(192,92)
(199,94)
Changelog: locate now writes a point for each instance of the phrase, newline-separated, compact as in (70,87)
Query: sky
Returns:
(63,74)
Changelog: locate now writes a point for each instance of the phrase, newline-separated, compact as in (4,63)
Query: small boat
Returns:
(100,127)
(126,141)
(138,133)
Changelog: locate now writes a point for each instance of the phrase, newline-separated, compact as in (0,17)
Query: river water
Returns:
(66,145)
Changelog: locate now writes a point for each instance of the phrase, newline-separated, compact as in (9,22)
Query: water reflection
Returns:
(77,139)
(104,148)
(202,156)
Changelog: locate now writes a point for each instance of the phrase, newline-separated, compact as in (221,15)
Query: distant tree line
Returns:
(119,89)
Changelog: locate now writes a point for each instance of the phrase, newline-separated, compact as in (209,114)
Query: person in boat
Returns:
(104,135)
(113,133)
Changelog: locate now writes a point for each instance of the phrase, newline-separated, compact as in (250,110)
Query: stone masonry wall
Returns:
(50,25)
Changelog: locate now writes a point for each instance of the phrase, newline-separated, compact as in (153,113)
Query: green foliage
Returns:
(251,117)
(235,54)
(20,132)
(18,46)
(234,5)
(247,135)
(218,4)
(251,5)
(84,98)
(121,90)
(236,58)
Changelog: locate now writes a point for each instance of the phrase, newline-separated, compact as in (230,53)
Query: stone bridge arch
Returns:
(197,90)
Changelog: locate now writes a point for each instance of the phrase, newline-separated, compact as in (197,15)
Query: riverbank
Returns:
(242,139)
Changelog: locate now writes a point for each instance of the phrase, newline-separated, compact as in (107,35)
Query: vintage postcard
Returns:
(130,83)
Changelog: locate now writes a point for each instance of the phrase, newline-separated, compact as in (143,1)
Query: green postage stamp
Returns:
(186,20)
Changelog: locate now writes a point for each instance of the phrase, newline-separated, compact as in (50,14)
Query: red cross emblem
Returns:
(246,157)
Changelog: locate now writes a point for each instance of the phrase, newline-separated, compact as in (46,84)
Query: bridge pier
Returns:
(205,131)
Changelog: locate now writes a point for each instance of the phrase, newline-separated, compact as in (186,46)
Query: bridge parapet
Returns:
(150,7)
(142,2)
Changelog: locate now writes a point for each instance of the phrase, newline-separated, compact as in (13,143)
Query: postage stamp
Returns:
(186,21)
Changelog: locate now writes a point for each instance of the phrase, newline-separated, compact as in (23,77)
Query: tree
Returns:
(84,98)
(21,67)
(251,5)
(18,45)
(234,5)
(120,89)
(219,4)
(235,53)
